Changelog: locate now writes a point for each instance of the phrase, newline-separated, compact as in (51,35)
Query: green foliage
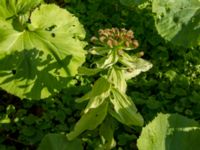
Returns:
(178,21)
(171,86)
(106,132)
(131,3)
(59,142)
(124,109)
(108,95)
(11,9)
(90,120)
(170,132)
(38,54)
(30,121)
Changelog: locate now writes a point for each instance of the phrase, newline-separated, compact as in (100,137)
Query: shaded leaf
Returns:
(88,71)
(171,74)
(59,142)
(106,131)
(132,3)
(84,97)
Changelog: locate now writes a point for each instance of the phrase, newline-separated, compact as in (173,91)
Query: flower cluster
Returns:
(116,37)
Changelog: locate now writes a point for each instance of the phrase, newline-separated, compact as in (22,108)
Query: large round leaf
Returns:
(14,8)
(170,132)
(38,55)
(178,21)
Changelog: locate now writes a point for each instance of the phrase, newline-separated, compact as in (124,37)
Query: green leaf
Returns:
(170,74)
(5,119)
(152,103)
(10,109)
(102,51)
(3,147)
(124,138)
(96,108)
(30,119)
(188,136)
(100,91)
(195,97)
(39,59)
(108,60)
(124,109)
(132,3)
(166,132)
(88,71)
(84,97)
(89,120)
(106,131)
(178,21)
(28,131)
(116,77)
(13,8)
(134,65)
(59,142)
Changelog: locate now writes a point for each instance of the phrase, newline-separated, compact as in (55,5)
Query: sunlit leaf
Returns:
(107,61)
(100,91)
(178,21)
(89,120)
(134,65)
(13,8)
(124,109)
(170,132)
(39,54)
(116,76)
